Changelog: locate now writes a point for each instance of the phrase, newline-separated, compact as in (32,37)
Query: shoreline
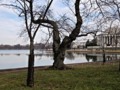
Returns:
(69,65)
(99,51)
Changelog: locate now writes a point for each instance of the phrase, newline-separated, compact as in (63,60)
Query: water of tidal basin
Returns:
(19,58)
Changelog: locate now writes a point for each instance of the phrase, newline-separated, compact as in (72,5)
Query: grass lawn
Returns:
(82,77)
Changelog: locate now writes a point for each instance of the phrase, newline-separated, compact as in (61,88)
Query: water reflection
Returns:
(18,58)
(102,57)
(70,56)
(91,57)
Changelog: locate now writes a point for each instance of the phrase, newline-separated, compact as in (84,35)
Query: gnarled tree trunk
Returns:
(60,48)
(59,57)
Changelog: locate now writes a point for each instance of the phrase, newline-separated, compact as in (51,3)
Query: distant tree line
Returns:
(18,46)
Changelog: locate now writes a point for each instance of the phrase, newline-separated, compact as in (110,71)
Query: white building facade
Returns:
(109,38)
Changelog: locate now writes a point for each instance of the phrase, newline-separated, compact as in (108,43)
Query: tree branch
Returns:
(42,18)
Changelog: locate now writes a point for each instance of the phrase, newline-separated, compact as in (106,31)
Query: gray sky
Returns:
(11,25)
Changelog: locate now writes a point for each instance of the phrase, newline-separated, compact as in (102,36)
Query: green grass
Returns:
(82,77)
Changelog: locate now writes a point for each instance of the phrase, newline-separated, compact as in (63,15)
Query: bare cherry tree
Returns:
(22,8)
(59,47)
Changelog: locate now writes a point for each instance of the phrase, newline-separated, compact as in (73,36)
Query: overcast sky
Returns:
(10,25)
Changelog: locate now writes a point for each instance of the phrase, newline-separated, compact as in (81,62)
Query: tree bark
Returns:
(59,54)
(59,57)
(30,74)
(59,48)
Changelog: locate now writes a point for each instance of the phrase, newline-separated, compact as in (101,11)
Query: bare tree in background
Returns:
(22,8)
(111,11)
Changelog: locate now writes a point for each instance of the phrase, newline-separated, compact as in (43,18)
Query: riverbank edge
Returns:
(69,65)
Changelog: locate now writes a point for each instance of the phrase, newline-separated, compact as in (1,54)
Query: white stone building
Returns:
(109,38)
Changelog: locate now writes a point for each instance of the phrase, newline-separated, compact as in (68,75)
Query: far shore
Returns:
(81,50)
(94,50)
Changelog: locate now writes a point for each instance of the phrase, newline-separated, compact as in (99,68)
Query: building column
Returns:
(112,40)
(104,40)
(109,40)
